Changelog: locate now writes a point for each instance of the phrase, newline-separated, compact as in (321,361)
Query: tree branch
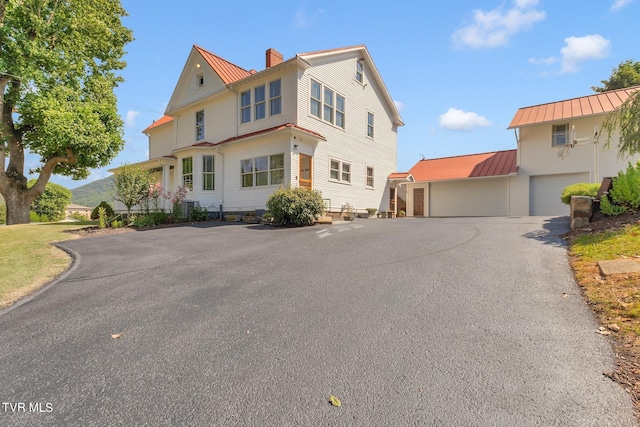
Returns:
(47,170)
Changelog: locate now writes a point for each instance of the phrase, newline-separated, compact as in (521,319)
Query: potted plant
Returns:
(371,212)
(401,214)
(348,214)
(250,218)
(231,216)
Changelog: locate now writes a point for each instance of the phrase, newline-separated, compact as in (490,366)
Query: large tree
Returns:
(58,64)
(626,75)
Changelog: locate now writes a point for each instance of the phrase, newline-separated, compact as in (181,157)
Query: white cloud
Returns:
(399,105)
(459,120)
(619,4)
(130,120)
(495,27)
(301,20)
(580,49)
(543,61)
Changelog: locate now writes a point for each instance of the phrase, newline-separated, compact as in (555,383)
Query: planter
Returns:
(249,219)
(231,217)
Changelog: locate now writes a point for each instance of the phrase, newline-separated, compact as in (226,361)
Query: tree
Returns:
(58,63)
(626,120)
(52,203)
(626,75)
(131,185)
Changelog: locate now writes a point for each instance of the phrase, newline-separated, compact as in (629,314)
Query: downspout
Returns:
(218,152)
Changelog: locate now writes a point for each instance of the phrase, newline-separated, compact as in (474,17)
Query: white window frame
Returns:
(245,107)
(369,177)
(327,105)
(360,71)
(187,175)
(200,125)
(259,102)
(558,136)
(275,100)
(370,125)
(256,173)
(343,170)
(200,80)
(208,173)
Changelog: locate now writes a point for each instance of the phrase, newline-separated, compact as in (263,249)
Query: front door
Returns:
(418,202)
(305,171)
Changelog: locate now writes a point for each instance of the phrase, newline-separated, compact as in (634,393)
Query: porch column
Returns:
(165,177)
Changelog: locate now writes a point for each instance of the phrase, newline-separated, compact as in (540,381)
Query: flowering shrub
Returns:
(176,200)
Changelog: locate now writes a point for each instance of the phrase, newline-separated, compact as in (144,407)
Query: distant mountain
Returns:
(93,193)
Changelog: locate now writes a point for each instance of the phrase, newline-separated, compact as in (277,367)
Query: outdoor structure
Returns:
(321,120)
(558,144)
(78,209)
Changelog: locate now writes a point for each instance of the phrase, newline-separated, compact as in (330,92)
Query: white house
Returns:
(321,120)
(558,144)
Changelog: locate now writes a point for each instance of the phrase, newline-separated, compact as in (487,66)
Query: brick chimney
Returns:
(273,57)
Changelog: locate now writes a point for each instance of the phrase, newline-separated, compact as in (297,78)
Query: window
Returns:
(275,98)
(200,80)
(200,125)
(340,111)
(370,125)
(339,171)
(327,105)
(560,135)
(260,103)
(187,173)
(370,176)
(359,71)
(208,173)
(262,171)
(316,90)
(245,107)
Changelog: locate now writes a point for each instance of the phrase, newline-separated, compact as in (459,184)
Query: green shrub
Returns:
(35,217)
(106,206)
(199,214)
(78,216)
(295,206)
(609,209)
(3,214)
(116,224)
(148,220)
(102,217)
(626,187)
(579,189)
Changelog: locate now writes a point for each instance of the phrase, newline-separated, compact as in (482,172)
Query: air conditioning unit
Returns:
(187,207)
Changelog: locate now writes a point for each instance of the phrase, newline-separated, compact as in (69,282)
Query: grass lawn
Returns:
(28,260)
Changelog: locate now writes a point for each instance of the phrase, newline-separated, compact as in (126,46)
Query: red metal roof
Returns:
(497,163)
(598,103)
(162,120)
(399,175)
(227,71)
(272,129)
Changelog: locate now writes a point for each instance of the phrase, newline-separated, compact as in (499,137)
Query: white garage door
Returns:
(473,197)
(545,191)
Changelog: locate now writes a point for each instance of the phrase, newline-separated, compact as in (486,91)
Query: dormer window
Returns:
(200,80)
(560,135)
(359,71)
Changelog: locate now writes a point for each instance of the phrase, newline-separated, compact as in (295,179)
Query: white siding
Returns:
(161,141)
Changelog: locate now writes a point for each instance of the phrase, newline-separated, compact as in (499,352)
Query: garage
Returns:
(545,191)
(469,197)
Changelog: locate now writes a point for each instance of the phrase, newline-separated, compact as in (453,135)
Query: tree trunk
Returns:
(18,207)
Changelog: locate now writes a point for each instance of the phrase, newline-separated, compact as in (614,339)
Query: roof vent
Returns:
(273,57)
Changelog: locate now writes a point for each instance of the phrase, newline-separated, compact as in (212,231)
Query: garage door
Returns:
(545,191)
(473,197)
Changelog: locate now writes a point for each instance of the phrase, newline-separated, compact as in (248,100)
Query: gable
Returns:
(204,74)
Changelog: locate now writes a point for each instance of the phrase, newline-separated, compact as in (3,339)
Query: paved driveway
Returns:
(458,321)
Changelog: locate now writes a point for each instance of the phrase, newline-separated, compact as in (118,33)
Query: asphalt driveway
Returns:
(458,321)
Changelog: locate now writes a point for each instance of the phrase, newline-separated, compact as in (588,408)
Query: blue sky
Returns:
(458,70)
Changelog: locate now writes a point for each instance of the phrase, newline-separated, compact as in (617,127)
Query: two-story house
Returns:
(321,120)
(558,144)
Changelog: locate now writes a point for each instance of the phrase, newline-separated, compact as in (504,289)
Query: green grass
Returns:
(28,260)
(608,245)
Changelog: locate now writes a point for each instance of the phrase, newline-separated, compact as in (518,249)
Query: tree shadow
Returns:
(552,231)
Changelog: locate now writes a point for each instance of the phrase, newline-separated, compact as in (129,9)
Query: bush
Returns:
(579,189)
(199,214)
(78,216)
(106,206)
(35,217)
(626,187)
(295,206)
(610,209)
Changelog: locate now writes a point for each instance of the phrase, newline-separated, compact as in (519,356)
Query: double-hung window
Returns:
(262,171)
(339,171)
(187,173)
(359,71)
(370,176)
(208,173)
(560,135)
(370,124)
(275,98)
(245,107)
(326,104)
(200,125)
(260,102)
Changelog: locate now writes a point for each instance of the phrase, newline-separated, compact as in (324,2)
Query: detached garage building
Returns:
(558,144)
